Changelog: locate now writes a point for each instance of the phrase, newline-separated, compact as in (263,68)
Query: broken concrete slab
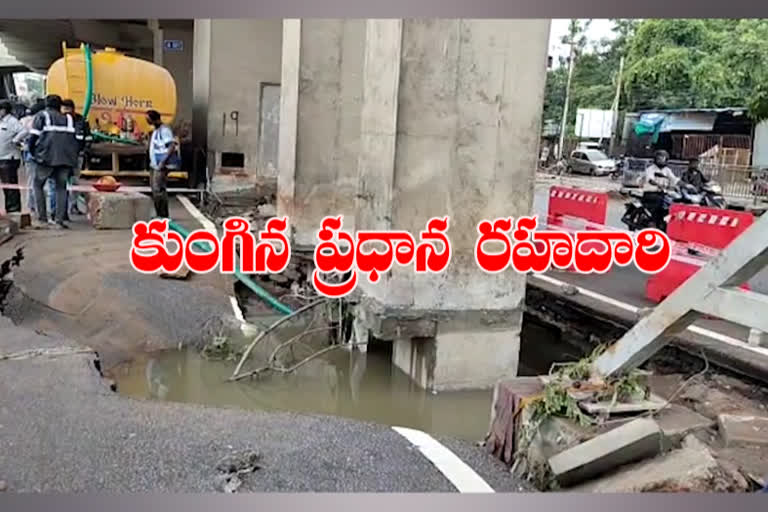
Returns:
(182,274)
(654,403)
(628,443)
(757,338)
(743,430)
(118,210)
(689,469)
(677,422)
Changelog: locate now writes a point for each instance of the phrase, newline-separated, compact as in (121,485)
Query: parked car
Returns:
(589,145)
(590,161)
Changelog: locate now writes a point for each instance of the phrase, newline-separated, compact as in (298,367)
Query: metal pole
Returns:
(615,119)
(567,99)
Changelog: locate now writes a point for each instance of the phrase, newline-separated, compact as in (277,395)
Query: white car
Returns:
(590,161)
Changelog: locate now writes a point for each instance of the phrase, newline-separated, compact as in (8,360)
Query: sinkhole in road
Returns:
(359,386)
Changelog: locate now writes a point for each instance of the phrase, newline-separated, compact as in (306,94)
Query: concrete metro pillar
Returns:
(321,97)
(450,126)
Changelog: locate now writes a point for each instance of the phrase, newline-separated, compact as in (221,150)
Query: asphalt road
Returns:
(63,430)
(80,283)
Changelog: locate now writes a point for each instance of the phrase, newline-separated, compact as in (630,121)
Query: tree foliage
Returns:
(671,63)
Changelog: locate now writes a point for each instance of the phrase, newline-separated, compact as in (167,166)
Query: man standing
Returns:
(10,156)
(21,139)
(163,157)
(54,149)
(83,137)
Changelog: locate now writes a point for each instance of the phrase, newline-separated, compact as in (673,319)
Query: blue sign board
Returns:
(173,45)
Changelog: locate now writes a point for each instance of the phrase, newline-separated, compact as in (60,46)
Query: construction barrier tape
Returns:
(89,188)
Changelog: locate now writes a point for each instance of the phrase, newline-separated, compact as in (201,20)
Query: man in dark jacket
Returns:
(693,176)
(84,139)
(54,151)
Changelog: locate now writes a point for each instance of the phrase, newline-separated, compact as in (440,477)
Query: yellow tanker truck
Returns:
(114,91)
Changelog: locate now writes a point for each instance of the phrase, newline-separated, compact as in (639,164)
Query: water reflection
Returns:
(350,384)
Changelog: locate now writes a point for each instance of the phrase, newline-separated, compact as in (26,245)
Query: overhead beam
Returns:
(740,261)
(738,306)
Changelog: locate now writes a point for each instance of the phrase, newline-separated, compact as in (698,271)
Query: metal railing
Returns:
(737,181)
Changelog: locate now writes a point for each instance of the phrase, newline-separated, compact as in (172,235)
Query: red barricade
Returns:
(569,204)
(692,227)
(573,202)
(711,227)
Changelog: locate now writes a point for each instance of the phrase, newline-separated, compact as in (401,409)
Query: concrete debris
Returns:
(182,274)
(757,338)
(599,408)
(677,422)
(743,430)
(267,210)
(233,466)
(689,469)
(629,443)
(232,485)
(246,460)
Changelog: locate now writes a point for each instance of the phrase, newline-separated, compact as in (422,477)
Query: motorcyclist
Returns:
(658,175)
(693,176)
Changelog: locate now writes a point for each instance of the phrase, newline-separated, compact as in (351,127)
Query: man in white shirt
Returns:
(163,157)
(658,177)
(659,166)
(10,156)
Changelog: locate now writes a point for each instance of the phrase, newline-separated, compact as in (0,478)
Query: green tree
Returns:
(593,83)
(699,64)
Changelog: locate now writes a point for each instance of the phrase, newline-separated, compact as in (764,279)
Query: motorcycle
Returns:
(642,211)
(712,196)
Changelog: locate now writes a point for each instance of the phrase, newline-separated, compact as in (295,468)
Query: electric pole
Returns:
(564,122)
(615,108)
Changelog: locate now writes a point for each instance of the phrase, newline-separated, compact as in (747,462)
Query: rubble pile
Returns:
(560,432)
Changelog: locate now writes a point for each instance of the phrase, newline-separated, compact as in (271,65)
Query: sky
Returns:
(598,29)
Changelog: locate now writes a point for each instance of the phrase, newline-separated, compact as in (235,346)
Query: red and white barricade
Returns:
(698,234)
(565,202)
(573,209)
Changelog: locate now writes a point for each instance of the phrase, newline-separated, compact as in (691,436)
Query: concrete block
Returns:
(689,469)
(757,338)
(743,430)
(629,443)
(118,210)
(677,422)
(24,220)
(8,228)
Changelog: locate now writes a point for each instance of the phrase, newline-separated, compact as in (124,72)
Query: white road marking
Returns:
(463,477)
(633,309)
(209,226)
(589,293)
(198,215)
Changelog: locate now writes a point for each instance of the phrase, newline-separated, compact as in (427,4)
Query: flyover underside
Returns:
(37,43)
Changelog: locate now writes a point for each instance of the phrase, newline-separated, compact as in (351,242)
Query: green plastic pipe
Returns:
(246,280)
(112,138)
(88,80)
